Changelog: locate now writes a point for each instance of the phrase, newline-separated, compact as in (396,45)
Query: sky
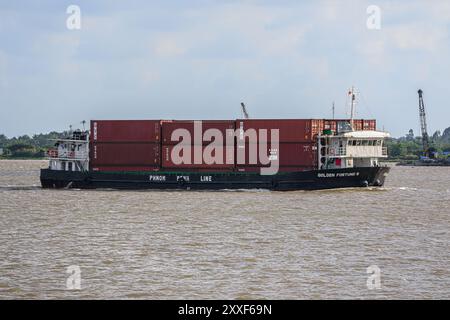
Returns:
(200,59)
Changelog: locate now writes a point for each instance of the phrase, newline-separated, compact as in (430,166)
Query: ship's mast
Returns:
(352,104)
(332,108)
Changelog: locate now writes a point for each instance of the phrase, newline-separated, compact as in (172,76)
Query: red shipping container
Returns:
(370,125)
(169,162)
(125,130)
(125,154)
(358,124)
(316,128)
(280,169)
(197,169)
(330,125)
(287,154)
(168,127)
(292,169)
(290,130)
(104,168)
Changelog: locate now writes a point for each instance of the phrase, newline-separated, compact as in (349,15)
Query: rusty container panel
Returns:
(103,168)
(280,169)
(295,168)
(125,154)
(370,125)
(203,151)
(290,130)
(358,124)
(287,154)
(330,125)
(125,131)
(168,127)
(198,169)
(317,126)
(297,154)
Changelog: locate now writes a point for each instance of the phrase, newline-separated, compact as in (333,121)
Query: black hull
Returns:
(305,180)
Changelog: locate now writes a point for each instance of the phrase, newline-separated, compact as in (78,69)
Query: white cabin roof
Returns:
(366,134)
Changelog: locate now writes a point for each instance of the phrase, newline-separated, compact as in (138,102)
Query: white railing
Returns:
(358,151)
(341,151)
(74,155)
(366,151)
(338,152)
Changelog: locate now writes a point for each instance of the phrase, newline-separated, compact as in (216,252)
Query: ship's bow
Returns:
(378,176)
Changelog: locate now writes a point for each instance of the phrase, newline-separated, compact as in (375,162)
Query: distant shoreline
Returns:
(8,158)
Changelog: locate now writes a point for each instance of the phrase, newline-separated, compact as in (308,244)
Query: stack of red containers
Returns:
(296,150)
(197,145)
(358,124)
(125,145)
(148,145)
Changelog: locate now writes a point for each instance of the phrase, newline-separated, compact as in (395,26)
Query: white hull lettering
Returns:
(338,175)
(157,178)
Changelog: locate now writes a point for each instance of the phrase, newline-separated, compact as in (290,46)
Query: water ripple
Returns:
(225,245)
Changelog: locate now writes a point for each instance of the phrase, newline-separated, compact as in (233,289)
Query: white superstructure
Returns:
(352,149)
(71,154)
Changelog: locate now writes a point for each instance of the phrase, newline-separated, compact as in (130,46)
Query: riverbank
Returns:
(22,158)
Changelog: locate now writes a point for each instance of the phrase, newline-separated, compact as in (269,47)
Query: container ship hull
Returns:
(283,181)
(274,154)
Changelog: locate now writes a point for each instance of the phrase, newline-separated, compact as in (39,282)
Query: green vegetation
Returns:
(26,147)
(408,147)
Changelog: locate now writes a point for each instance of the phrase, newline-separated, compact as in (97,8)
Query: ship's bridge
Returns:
(352,149)
(71,153)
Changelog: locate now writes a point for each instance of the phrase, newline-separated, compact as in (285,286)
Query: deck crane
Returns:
(244,111)
(423,125)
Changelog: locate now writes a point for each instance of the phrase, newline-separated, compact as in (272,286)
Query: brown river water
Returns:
(225,244)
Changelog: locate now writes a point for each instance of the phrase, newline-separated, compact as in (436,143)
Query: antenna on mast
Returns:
(83,123)
(352,95)
(332,108)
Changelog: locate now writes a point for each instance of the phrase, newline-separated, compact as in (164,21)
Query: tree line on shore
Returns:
(407,147)
(28,147)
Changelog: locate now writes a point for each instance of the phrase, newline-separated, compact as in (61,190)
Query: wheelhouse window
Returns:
(344,126)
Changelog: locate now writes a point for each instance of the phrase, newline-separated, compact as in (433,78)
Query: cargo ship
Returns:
(274,154)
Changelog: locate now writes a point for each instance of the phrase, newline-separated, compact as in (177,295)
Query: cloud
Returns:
(419,36)
(179,59)
(168,47)
(3,70)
